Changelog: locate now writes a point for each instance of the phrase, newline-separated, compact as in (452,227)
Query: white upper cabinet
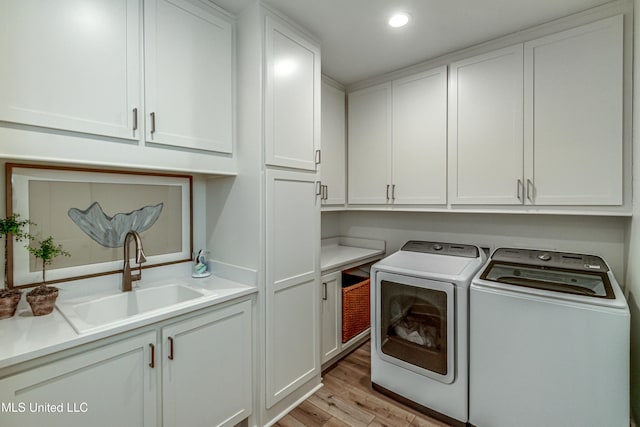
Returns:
(71,65)
(369,141)
(398,141)
(559,144)
(292,97)
(419,155)
(485,128)
(573,116)
(333,146)
(189,76)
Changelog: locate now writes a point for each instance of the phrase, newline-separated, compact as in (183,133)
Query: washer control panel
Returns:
(450,249)
(566,260)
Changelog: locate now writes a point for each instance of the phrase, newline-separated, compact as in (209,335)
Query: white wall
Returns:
(633,261)
(604,236)
(234,205)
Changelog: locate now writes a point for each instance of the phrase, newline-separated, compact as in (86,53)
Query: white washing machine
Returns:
(549,342)
(419,326)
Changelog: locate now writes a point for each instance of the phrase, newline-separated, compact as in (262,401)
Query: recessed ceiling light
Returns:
(399,20)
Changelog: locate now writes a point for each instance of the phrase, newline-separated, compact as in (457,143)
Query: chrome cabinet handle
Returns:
(326,192)
(388,191)
(153,122)
(319,189)
(170,348)
(530,190)
(135,119)
(318,159)
(520,189)
(324,291)
(393,192)
(152,364)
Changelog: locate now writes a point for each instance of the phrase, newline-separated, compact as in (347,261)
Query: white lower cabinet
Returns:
(200,376)
(112,385)
(330,312)
(206,369)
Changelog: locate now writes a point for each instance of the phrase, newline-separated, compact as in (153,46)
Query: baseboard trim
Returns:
(293,405)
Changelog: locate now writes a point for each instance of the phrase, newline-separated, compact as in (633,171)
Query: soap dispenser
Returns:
(200,265)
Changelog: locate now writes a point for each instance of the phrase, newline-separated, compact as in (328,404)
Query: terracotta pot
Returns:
(42,300)
(9,300)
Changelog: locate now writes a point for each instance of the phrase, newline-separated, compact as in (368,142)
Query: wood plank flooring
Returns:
(347,400)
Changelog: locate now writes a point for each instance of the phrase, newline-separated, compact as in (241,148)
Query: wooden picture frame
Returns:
(89,211)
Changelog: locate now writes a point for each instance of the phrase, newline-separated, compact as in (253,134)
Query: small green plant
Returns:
(10,227)
(46,250)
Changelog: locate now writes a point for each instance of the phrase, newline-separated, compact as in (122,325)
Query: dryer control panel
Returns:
(451,249)
(570,261)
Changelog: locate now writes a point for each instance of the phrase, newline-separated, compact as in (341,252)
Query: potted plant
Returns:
(43,298)
(11,227)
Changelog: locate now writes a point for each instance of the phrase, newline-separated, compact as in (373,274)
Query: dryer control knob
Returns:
(437,247)
(544,257)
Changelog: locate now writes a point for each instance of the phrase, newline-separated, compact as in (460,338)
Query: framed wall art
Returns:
(89,212)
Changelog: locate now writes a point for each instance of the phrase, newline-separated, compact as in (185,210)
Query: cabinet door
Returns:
(189,76)
(71,66)
(292,97)
(206,373)
(419,159)
(574,117)
(333,145)
(112,385)
(292,271)
(485,129)
(330,316)
(369,145)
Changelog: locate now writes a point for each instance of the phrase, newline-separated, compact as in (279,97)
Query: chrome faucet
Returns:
(127,277)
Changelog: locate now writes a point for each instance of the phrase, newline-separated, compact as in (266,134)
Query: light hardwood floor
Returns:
(347,399)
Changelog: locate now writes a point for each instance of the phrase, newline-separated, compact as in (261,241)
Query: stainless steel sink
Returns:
(87,315)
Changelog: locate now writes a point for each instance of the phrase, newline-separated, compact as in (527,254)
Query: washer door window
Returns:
(415,324)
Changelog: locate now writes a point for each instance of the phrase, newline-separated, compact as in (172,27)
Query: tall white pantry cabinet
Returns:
(293,199)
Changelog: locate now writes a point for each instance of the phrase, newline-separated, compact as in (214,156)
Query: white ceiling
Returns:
(357,43)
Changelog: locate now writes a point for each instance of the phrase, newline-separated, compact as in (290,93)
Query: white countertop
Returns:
(341,251)
(25,337)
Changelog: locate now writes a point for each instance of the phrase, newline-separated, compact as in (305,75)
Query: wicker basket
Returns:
(355,309)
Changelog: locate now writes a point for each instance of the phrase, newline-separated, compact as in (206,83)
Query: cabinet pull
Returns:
(153,122)
(530,189)
(326,192)
(152,364)
(324,291)
(388,191)
(393,192)
(520,190)
(318,157)
(135,119)
(319,189)
(170,348)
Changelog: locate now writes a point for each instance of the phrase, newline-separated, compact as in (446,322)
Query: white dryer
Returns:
(549,342)
(419,326)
